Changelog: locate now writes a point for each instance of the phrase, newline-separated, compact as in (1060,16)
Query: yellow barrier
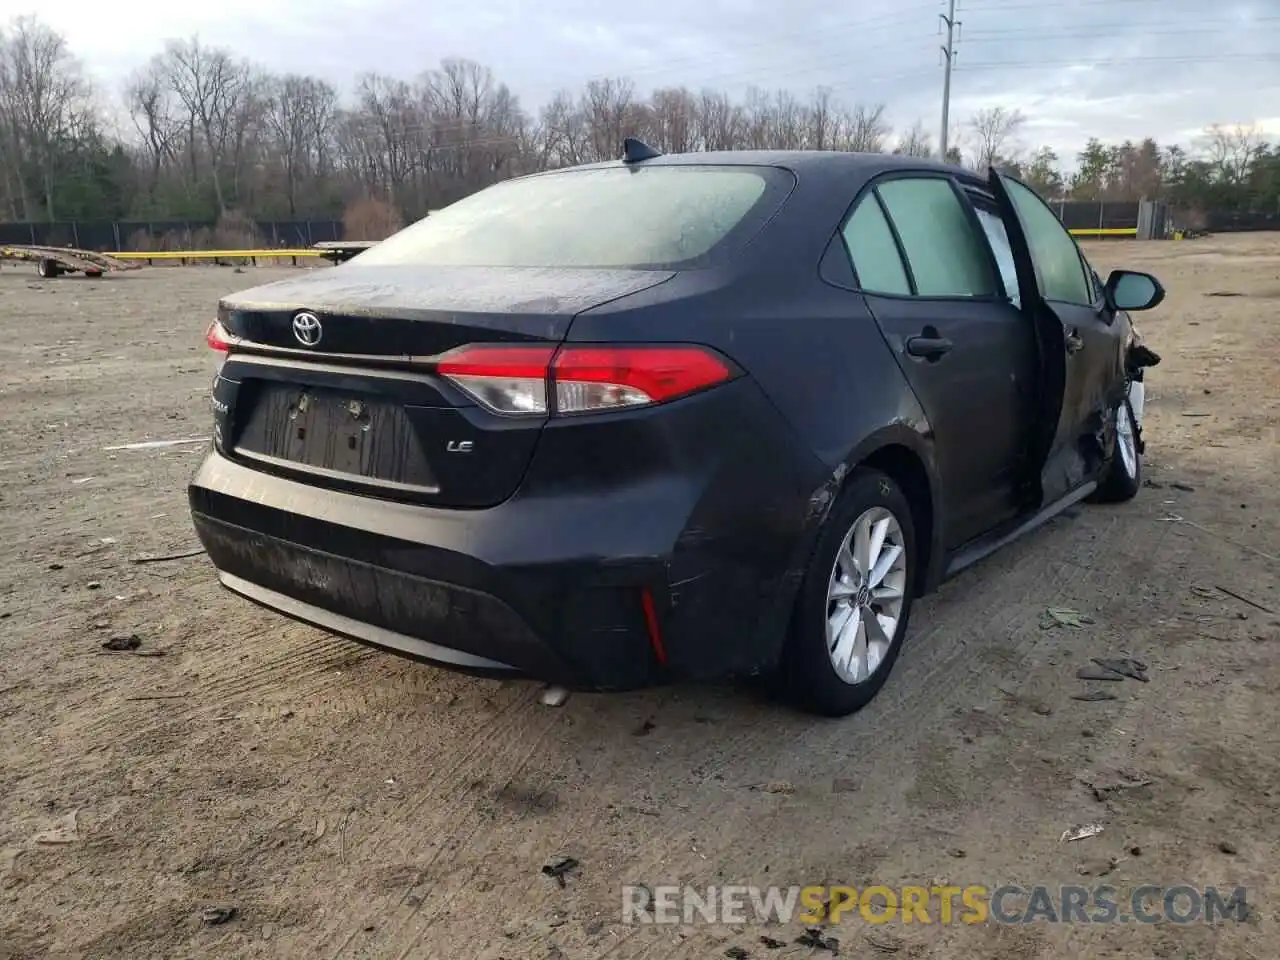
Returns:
(1105,232)
(212,254)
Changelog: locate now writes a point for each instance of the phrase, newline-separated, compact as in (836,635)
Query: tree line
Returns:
(208,135)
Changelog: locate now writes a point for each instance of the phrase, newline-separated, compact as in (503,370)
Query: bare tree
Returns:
(288,120)
(824,121)
(213,89)
(567,139)
(1232,150)
(387,111)
(213,134)
(611,113)
(42,92)
(995,131)
(722,124)
(150,102)
(915,142)
(674,120)
(866,128)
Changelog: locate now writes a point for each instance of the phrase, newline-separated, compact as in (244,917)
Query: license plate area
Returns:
(334,434)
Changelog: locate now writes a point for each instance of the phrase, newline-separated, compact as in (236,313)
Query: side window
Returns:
(998,237)
(947,257)
(1059,266)
(873,250)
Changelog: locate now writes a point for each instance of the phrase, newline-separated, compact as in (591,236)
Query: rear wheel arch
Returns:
(908,470)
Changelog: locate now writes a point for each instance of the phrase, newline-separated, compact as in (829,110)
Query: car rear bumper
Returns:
(665,577)
(399,582)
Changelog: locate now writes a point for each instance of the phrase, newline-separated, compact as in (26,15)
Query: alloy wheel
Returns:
(865,595)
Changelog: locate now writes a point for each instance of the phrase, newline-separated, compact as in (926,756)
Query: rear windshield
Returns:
(676,217)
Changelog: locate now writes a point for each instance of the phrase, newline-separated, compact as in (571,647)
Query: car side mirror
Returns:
(1131,290)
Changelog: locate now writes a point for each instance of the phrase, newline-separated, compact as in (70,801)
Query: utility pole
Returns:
(949,53)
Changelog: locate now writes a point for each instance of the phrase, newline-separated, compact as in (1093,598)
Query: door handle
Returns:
(1073,341)
(928,348)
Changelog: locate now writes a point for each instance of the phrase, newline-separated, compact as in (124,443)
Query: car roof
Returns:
(830,162)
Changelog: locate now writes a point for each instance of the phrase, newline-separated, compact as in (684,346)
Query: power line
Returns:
(825,28)
(1116,61)
(1024,35)
(1076,4)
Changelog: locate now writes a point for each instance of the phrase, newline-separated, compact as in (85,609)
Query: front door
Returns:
(1081,355)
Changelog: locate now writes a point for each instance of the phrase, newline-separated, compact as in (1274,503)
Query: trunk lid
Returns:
(348,397)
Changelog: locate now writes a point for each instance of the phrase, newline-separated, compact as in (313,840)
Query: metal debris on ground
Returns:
(559,868)
(131,642)
(884,942)
(771,944)
(1174,518)
(157,444)
(1092,696)
(1080,833)
(169,556)
(1244,599)
(813,938)
(1105,790)
(1063,617)
(1124,666)
(1096,673)
(216,916)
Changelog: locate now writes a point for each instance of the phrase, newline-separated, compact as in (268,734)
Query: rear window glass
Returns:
(649,217)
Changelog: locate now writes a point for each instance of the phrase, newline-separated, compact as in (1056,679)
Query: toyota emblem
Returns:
(306,327)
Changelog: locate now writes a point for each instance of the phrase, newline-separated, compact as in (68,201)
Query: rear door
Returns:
(1081,348)
(934,287)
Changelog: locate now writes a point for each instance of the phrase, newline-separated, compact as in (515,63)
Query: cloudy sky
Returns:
(1076,68)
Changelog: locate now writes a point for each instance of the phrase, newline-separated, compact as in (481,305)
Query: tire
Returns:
(812,679)
(1122,476)
(48,268)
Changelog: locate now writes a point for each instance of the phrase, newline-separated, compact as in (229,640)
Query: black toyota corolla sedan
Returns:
(672,417)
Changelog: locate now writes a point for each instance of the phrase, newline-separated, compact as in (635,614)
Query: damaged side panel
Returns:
(732,587)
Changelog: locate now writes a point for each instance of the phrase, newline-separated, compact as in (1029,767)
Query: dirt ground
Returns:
(348,803)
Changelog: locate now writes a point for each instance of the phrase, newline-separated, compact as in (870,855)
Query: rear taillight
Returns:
(520,380)
(509,380)
(217,337)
